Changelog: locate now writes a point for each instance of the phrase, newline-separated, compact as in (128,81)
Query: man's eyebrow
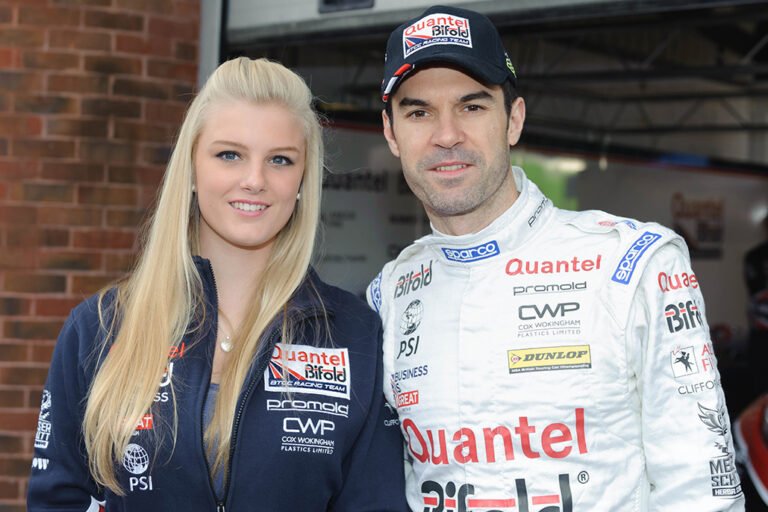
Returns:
(412,102)
(479,95)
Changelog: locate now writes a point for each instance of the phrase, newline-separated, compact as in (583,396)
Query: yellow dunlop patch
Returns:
(541,359)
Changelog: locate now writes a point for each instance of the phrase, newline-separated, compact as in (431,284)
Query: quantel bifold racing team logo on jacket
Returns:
(307,369)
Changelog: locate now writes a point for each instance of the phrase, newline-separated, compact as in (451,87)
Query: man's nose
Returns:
(448,131)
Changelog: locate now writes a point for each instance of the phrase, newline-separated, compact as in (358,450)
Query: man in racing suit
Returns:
(540,360)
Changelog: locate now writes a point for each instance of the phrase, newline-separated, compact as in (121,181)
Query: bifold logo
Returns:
(571,357)
(626,266)
(481,252)
(40,463)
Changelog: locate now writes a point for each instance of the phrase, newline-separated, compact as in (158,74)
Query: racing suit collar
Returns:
(521,221)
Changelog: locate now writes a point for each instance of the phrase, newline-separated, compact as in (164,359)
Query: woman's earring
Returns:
(194,189)
(298,196)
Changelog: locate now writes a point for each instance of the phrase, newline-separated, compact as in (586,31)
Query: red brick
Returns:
(108,152)
(10,58)
(121,262)
(143,132)
(50,60)
(6,15)
(97,3)
(60,260)
(44,104)
(10,443)
(42,353)
(165,112)
(188,10)
(48,16)
(103,239)
(113,20)
(63,216)
(38,237)
(135,174)
(23,375)
(34,283)
(10,306)
(125,218)
(112,65)
(107,195)
(16,215)
(43,192)
(32,329)
(80,40)
(185,30)
(22,37)
(109,107)
(20,126)
(14,81)
(142,89)
(17,169)
(183,93)
(13,508)
(79,172)
(159,46)
(54,307)
(153,6)
(4,103)
(172,69)
(81,84)
(186,51)
(9,490)
(3,147)
(78,127)
(88,285)
(44,148)
(18,420)
(18,259)
(156,154)
(13,352)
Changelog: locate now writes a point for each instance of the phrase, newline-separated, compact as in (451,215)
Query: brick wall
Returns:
(91,95)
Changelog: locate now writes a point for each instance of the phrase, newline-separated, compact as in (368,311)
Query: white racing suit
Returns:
(555,362)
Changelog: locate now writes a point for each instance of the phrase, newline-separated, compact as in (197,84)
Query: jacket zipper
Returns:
(240,408)
(220,505)
(255,379)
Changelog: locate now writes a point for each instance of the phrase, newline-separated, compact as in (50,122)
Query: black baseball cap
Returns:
(464,38)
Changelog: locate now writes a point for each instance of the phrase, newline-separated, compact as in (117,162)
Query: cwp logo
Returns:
(534,312)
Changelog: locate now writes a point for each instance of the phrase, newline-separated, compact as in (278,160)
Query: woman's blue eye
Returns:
(281,160)
(228,155)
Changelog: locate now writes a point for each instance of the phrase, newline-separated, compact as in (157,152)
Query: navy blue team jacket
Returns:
(311,432)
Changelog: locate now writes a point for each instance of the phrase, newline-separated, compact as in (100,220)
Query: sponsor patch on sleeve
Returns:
(628,263)
(306,369)
(374,293)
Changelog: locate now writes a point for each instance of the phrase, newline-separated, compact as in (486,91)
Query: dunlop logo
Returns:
(541,359)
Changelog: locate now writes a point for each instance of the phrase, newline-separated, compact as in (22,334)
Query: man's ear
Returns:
(389,134)
(516,121)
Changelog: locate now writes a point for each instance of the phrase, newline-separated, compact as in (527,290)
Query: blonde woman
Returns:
(222,374)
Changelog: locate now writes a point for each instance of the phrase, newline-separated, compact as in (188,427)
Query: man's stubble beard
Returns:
(467,199)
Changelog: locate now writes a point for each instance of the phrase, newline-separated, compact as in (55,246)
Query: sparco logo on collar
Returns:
(626,266)
(436,29)
(413,281)
(481,252)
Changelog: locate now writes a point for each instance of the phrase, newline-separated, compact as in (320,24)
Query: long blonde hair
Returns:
(154,306)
